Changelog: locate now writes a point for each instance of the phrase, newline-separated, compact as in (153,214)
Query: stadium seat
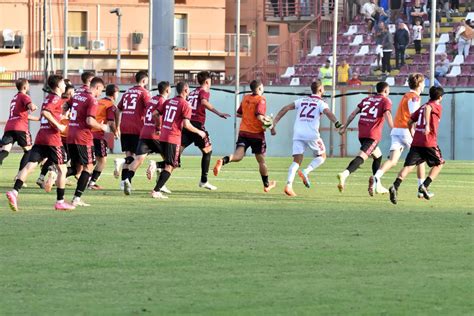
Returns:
(295,81)
(470,82)
(404,70)
(392,28)
(353,50)
(351,31)
(316,51)
(350,59)
(455,71)
(451,81)
(444,38)
(359,60)
(290,71)
(466,70)
(364,50)
(358,39)
(440,49)
(442,81)
(469,60)
(470,16)
(400,80)
(458,60)
(390,81)
(462,81)
(343,50)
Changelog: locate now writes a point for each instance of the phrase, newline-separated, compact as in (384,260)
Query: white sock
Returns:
(315,163)
(292,172)
(379,174)
(420,181)
(346,173)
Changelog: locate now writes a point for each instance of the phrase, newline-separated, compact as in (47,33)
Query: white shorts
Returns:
(317,146)
(401,142)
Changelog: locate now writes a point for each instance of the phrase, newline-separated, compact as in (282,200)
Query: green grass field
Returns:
(239,251)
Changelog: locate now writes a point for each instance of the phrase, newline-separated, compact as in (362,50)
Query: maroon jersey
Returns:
(195,100)
(48,134)
(82,89)
(174,112)
(18,118)
(84,105)
(149,127)
(133,105)
(420,139)
(371,118)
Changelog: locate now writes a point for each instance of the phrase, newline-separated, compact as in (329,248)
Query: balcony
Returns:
(292,10)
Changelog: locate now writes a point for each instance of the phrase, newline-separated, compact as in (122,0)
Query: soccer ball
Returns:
(267,122)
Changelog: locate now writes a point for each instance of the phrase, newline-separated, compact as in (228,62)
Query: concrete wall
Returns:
(456,134)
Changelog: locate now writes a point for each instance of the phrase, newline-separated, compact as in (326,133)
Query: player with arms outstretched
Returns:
(373,110)
(424,147)
(251,133)
(306,133)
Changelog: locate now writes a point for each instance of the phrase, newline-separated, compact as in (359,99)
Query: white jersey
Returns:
(308,116)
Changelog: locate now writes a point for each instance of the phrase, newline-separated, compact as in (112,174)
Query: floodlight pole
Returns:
(334,68)
(150,45)
(432,42)
(237,67)
(45,43)
(118,12)
(65,70)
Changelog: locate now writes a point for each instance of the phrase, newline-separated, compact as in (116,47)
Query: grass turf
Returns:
(238,250)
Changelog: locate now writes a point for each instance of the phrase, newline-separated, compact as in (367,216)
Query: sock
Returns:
(225,160)
(95,176)
(397,183)
(45,167)
(205,163)
(427,182)
(160,165)
(124,174)
(24,160)
(164,176)
(130,175)
(315,163)
(292,173)
(265,181)
(379,174)
(60,194)
(3,155)
(129,160)
(354,164)
(420,181)
(82,183)
(376,165)
(18,185)
(71,172)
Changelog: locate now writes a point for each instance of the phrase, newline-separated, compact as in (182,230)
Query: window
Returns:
(273,30)
(77,25)
(180,31)
(272,56)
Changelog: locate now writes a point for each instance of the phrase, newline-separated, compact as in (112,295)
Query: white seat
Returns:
(455,71)
(470,16)
(364,50)
(458,60)
(8,35)
(351,31)
(392,28)
(390,81)
(444,38)
(440,49)
(295,81)
(357,40)
(290,71)
(316,51)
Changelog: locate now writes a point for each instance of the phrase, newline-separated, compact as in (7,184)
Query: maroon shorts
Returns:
(417,155)
(81,154)
(56,154)
(171,154)
(100,147)
(368,145)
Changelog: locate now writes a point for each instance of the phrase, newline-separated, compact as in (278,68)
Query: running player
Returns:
(424,147)
(176,114)
(80,140)
(401,137)
(199,101)
(373,110)
(251,133)
(16,129)
(306,133)
(132,106)
(47,145)
(149,137)
(106,114)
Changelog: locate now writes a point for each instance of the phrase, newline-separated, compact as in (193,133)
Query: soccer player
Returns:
(48,165)
(132,106)
(199,101)
(47,145)
(149,137)
(86,78)
(106,114)
(80,140)
(176,114)
(424,147)
(401,137)
(16,129)
(251,133)
(306,133)
(373,110)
